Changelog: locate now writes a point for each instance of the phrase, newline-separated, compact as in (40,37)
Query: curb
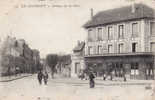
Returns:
(110,84)
(15,78)
(123,84)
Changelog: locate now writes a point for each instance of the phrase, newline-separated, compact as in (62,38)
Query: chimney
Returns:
(92,13)
(133,8)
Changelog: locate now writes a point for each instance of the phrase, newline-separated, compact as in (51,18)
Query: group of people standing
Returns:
(42,75)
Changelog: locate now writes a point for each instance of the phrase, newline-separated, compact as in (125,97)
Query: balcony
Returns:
(121,54)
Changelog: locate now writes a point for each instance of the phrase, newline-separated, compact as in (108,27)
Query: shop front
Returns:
(131,66)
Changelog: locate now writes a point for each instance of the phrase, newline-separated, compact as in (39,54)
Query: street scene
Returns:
(74,89)
(67,50)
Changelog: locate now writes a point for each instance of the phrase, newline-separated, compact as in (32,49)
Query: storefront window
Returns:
(134,69)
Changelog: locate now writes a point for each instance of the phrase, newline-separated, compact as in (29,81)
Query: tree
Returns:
(63,59)
(51,60)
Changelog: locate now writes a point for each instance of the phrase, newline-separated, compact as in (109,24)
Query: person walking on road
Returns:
(45,77)
(91,80)
(40,76)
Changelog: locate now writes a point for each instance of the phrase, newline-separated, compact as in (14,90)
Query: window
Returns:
(120,48)
(110,33)
(99,49)
(90,50)
(109,48)
(152,47)
(149,69)
(152,28)
(134,29)
(134,69)
(134,47)
(121,31)
(90,35)
(16,44)
(99,38)
(77,67)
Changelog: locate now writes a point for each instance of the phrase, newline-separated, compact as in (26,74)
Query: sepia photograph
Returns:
(77,50)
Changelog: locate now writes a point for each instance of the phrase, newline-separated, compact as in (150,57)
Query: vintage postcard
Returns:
(77,50)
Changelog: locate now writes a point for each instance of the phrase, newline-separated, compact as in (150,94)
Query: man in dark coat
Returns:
(91,80)
(40,76)
(45,77)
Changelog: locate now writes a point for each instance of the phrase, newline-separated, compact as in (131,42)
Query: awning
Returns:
(120,59)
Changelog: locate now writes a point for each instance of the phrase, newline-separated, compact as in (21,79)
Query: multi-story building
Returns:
(36,59)
(16,54)
(123,40)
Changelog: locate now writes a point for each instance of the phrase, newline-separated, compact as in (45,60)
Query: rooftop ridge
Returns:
(121,14)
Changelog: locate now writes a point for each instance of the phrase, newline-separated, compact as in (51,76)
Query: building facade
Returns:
(122,41)
(16,55)
(78,64)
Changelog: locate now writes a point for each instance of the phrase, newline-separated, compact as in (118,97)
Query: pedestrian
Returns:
(91,80)
(85,76)
(104,75)
(40,76)
(45,77)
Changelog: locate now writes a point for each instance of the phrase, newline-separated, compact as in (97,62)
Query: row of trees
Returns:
(53,60)
(14,65)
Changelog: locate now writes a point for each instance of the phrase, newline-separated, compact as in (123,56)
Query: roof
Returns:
(121,14)
(79,47)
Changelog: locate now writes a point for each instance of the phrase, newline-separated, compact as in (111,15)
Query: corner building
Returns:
(122,41)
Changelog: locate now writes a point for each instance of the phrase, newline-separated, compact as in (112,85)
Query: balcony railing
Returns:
(121,54)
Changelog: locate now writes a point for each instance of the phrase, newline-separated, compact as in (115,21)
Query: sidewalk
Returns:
(114,82)
(11,78)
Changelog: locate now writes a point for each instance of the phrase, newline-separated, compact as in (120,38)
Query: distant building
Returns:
(16,54)
(122,39)
(66,68)
(36,59)
(77,58)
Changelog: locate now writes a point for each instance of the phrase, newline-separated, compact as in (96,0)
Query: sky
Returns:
(52,28)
